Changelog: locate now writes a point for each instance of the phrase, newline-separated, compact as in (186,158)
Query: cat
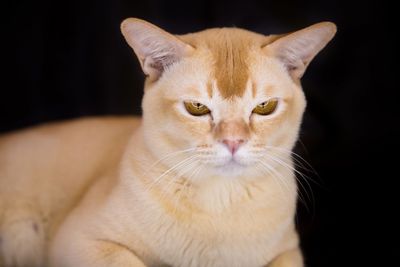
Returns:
(205,178)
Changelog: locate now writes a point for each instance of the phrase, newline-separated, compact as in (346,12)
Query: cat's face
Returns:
(226,105)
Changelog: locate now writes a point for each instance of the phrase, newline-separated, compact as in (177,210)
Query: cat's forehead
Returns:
(232,51)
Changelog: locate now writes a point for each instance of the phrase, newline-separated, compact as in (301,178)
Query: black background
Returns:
(67,59)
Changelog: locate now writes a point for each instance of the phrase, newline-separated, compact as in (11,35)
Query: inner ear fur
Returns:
(297,49)
(155,48)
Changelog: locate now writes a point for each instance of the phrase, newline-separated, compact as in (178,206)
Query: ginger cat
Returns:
(205,178)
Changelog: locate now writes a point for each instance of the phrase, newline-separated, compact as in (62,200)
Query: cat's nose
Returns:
(233,144)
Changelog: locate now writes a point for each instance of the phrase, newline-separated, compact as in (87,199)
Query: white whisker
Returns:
(288,166)
(189,164)
(175,153)
(276,177)
(173,168)
(299,160)
(275,172)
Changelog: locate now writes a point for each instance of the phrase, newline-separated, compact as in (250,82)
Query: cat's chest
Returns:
(220,241)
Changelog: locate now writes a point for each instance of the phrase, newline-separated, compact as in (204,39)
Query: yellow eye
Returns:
(266,108)
(196,108)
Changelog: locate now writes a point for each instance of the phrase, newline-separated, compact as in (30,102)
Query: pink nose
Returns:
(233,145)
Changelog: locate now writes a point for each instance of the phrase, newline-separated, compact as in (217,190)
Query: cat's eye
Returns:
(266,108)
(196,108)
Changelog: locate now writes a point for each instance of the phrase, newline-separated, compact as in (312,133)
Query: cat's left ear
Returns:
(155,48)
(297,49)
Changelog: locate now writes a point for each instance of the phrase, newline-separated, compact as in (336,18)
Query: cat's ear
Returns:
(155,48)
(297,49)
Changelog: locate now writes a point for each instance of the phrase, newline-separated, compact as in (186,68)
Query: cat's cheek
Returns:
(260,125)
(268,130)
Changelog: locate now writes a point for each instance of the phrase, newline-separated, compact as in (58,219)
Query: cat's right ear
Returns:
(155,48)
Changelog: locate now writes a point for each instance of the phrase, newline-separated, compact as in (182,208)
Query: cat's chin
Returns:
(231,168)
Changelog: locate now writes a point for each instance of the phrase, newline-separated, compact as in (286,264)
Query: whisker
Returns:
(189,164)
(297,158)
(175,153)
(275,172)
(286,165)
(270,171)
(308,190)
(158,179)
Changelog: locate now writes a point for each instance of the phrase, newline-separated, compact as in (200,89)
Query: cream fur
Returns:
(165,190)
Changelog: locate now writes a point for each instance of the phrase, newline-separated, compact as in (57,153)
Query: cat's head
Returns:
(226,99)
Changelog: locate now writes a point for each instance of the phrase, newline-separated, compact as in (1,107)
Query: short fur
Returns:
(168,189)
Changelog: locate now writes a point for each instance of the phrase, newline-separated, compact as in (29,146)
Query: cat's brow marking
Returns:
(231,72)
(230,51)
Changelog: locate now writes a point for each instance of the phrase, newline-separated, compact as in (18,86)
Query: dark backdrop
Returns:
(66,59)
